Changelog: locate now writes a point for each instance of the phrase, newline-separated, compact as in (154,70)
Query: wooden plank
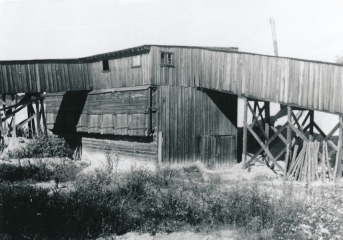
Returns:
(338,168)
(319,130)
(289,138)
(245,132)
(264,147)
(160,142)
(18,126)
(300,134)
(277,134)
(258,123)
(280,135)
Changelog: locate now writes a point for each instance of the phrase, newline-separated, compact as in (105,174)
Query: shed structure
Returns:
(174,103)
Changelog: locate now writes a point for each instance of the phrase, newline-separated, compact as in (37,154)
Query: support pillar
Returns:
(1,127)
(42,106)
(311,113)
(14,130)
(245,133)
(159,147)
(38,118)
(289,138)
(4,128)
(267,123)
(340,149)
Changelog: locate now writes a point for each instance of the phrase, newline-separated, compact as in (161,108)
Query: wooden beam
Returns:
(338,172)
(29,125)
(38,118)
(159,147)
(264,147)
(296,121)
(245,133)
(297,131)
(267,121)
(4,109)
(260,111)
(25,121)
(20,104)
(333,145)
(42,108)
(280,135)
(289,138)
(255,108)
(13,113)
(311,125)
(332,132)
(267,143)
(307,116)
(319,130)
(258,123)
(14,129)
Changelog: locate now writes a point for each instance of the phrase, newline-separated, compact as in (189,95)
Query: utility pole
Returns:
(274,36)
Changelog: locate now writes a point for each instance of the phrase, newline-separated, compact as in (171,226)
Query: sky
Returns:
(70,29)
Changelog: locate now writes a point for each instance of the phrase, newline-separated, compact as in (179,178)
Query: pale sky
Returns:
(308,29)
(71,29)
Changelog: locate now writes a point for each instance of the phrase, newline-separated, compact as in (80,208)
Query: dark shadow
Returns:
(68,116)
(227,104)
(70,111)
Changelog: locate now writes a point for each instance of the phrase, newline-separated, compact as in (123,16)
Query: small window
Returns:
(105,65)
(167,59)
(136,61)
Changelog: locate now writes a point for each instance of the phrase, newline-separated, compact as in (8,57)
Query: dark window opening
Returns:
(166,58)
(105,66)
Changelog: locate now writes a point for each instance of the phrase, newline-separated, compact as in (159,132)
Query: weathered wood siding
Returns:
(188,116)
(306,84)
(44,76)
(113,111)
(121,73)
(63,110)
(140,149)
(302,83)
(71,75)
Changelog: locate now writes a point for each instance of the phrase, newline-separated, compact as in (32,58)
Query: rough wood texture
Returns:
(106,112)
(196,124)
(148,150)
(302,83)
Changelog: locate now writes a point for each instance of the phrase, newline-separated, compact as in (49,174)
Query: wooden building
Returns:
(174,103)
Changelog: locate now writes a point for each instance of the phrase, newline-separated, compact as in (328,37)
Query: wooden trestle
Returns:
(11,105)
(298,132)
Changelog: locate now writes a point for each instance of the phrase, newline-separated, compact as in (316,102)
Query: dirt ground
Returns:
(220,235)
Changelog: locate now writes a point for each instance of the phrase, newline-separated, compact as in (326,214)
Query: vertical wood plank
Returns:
(289,138)
(245,132)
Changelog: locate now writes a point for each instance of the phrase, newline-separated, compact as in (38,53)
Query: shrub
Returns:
(164,201)
(41,147)
(39,172)
(14,173)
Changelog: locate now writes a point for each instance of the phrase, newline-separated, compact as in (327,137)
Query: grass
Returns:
(42,146)
(167,200)
(39,172)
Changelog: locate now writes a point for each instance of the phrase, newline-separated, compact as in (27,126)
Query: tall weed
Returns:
(42,146)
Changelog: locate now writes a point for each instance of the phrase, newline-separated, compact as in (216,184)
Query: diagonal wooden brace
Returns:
(264,147)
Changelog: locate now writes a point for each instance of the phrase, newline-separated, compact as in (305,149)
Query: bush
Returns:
(39,172)
(41,147)
(165,201)
(104,204)
(14,173)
